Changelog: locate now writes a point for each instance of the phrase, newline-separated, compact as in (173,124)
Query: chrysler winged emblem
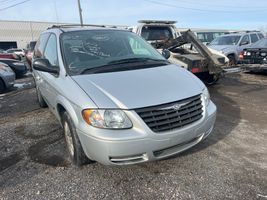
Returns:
(176,106)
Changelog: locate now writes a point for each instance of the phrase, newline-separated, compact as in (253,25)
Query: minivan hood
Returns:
(139,88)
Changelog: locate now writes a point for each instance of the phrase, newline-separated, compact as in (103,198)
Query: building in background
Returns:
(17,34)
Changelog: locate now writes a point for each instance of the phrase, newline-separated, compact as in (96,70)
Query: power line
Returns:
(200,10)
(7,1)
(16,4)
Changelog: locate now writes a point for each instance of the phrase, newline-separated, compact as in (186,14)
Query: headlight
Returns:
(263,54)
(206,96)
(110,119)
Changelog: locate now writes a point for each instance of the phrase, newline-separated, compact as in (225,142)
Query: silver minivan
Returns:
(118,99)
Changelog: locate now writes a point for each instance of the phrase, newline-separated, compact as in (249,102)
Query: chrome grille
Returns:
(173,115)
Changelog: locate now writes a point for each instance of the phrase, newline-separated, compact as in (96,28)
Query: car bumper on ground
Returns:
(153,146)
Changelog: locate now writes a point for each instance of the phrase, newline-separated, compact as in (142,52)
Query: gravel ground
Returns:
(230,164)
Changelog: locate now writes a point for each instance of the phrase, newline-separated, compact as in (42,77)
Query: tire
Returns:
(73,143)
(232,60)
(41,100)
(2,86)
(211,79)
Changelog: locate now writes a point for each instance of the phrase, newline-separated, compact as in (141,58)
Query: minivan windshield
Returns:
(95,49)
(226,40)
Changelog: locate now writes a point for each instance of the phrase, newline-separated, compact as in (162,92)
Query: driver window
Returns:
(50,52)
(245,40)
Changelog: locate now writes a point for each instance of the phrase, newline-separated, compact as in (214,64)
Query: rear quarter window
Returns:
(260,35)
(254,38)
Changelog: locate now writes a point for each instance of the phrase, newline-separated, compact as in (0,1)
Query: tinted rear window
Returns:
(151,33)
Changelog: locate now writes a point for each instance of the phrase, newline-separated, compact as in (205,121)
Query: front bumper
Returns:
(9,79)
(19,70)
(150,146)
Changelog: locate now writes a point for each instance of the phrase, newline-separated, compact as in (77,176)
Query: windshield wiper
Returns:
(133,60)
(116,65)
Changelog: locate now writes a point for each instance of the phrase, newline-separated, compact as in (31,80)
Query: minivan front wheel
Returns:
(74,146)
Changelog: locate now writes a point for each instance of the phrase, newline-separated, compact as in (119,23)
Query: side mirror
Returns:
(166,53)
(42,64)
(244,43)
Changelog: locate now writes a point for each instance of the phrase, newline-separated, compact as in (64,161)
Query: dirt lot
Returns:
(230,164)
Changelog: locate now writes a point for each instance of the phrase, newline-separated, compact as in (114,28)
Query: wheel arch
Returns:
(232,54)
(63,105)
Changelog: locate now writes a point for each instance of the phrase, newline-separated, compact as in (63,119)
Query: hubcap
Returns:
(69,139)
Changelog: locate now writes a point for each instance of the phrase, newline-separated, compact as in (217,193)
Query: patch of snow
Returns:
(21,85)
(260,195)
(28,73)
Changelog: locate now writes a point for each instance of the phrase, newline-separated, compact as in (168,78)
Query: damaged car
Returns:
(184,49)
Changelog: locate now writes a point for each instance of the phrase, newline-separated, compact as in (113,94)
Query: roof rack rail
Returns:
(85,25)
(252,31)
(74,25)
(156,22)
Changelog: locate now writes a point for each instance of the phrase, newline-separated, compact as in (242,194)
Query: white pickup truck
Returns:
(185,49)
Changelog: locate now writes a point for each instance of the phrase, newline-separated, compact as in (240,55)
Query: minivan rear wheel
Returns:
(76,153)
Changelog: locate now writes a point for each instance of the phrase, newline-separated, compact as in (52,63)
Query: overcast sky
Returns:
(224,14)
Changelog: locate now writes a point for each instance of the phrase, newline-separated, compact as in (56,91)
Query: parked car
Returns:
(185,49)
(256,53)
(29,53)
(255,57)
(9,55)
(18,52)
(232,45)
(117,98)
(7,77)
(17,66)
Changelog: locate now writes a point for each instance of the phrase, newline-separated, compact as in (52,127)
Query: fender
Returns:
(68,107)
(227,53)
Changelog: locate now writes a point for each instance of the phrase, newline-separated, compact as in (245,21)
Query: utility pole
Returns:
(80,12)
